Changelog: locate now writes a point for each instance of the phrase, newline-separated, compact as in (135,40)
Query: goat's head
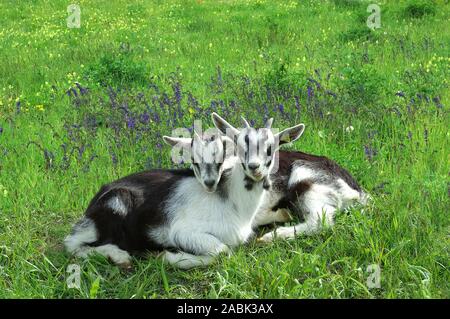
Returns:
(207,157)
(256,148)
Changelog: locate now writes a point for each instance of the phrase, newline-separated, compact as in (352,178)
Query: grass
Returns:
(150,66)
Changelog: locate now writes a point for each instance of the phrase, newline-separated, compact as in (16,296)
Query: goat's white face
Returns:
(256,148)
(207,160)
(207,156)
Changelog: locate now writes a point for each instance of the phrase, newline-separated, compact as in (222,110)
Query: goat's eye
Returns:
(269,150)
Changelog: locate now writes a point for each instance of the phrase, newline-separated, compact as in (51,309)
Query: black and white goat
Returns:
(311,187)
(156,210)
(170,209)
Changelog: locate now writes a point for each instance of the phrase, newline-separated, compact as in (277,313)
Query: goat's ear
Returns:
(184,142)
(290,134)
(245,122)
(223,126)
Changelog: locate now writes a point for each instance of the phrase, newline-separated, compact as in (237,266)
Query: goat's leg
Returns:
(314,221)
(183,260)
(205,246)
(118,256)
(268,216)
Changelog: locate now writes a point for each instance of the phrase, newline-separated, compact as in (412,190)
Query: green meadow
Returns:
(80,107)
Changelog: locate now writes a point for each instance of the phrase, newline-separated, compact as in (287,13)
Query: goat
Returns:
(311,187)
(141,212)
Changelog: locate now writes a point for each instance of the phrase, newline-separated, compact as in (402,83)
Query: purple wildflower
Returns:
(318,86)
(310,92)
(222,107)
(297,103)
(266,110)
(74,92)
(397,111)
(192,102)
(409,135)
(83,90)
(114,158)
(18,107)
(144,118)
(112,97)
(81,150)
(177,91)
(166,100)
(131,122)
(88,164)
(90,122)
(49,157)
(156,117)
(370,152)
(437,102)
(400,93)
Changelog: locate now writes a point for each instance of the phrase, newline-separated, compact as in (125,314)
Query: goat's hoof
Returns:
(285,216)
(267,238)
(161,255)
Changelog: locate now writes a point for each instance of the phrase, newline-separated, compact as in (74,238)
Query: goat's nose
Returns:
(209,183)
(253,166)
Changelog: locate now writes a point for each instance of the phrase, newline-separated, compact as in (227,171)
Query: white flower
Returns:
(349,129)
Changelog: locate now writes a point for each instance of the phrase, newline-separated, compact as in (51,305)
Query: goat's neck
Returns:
(246,200)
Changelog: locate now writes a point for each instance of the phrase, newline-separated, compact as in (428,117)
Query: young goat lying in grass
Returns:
(311,187)
(170,209)
(156,210)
